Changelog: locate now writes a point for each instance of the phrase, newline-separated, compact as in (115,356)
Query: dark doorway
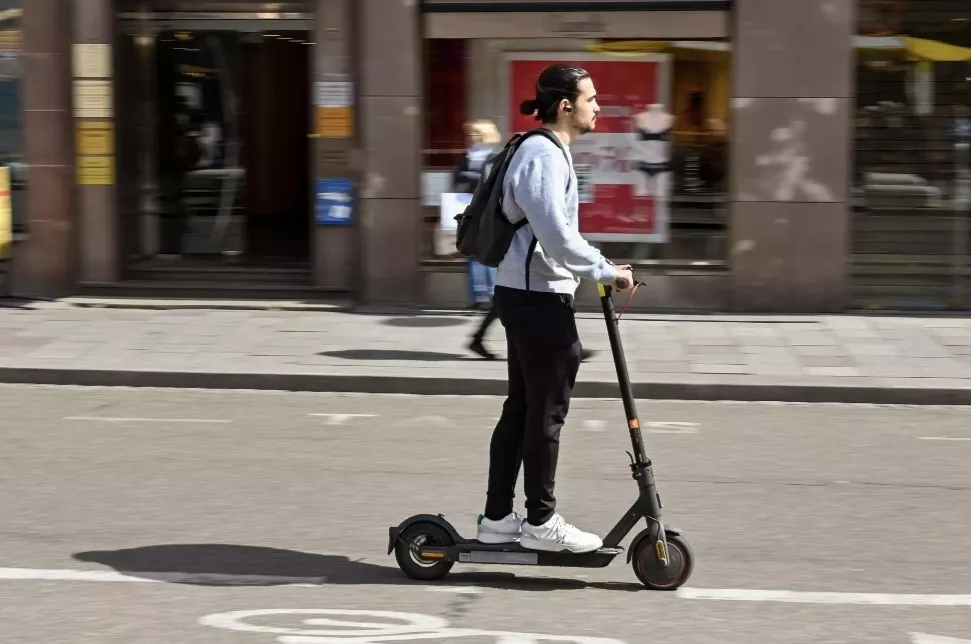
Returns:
(277,122)
(234,114)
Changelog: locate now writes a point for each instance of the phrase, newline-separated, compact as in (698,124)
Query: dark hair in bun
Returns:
(555,83)
(529,107)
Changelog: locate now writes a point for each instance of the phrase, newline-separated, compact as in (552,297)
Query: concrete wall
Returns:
(335,248)
(790,154)
(97,204)
(45,262)
(390,56)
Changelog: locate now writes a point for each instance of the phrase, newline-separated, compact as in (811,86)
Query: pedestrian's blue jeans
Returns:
(482,282)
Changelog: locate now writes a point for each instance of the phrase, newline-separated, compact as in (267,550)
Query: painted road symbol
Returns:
(336,626)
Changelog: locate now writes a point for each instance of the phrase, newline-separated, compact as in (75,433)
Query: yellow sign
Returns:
(95,137)
(6,215)
(334,122)
(96,171)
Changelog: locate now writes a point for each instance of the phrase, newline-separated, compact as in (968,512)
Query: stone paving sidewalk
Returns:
(822,358)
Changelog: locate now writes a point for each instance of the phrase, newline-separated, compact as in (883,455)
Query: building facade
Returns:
(308,147)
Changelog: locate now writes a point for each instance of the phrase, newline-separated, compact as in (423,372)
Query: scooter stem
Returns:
(623,379)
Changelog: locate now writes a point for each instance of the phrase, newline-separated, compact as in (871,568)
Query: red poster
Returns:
(623,177)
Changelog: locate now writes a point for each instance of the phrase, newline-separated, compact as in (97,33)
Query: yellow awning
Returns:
(636,47)
(909,46)
(932,50)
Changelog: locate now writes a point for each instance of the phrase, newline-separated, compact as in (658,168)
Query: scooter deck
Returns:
(472,551)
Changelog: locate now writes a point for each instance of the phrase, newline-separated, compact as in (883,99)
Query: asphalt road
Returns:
(260,501)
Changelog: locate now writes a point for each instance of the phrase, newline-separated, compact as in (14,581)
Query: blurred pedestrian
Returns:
(484,141)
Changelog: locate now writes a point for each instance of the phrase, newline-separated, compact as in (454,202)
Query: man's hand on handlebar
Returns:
(624,279)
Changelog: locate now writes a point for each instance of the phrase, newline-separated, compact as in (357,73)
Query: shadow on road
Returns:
(7,302)
(394,354)
(218,564)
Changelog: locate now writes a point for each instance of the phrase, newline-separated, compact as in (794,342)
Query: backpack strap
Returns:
(529,259)
(519,224)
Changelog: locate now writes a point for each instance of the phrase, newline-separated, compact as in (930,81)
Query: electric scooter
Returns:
(427,546)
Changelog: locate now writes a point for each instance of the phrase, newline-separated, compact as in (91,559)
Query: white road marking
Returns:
(458,590)
(652,427)
(427,421)
(107,419)
(923,638)
(942,438)
(383,623)
(671,427)
(716,594)
(381,626)
(340,419)
(34,574)
(799,597)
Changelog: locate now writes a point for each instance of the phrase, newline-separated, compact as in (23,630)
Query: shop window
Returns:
(445,102)
(644,200)
(11,121)
(911,187)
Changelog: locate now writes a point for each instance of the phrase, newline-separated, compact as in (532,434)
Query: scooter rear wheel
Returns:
(407,549)
(655,575)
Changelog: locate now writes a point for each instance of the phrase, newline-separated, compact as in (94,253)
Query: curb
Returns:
(481,386)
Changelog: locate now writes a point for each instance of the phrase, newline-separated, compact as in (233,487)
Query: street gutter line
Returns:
(104,419)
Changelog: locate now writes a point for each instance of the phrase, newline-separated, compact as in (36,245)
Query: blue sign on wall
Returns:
(335,202)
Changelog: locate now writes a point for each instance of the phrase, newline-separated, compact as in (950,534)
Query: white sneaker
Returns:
(505,530)
(556,535)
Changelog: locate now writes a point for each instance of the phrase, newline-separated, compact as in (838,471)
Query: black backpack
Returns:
(483,232)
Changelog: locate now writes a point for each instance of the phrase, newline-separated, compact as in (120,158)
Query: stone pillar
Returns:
(790,154)
(94,125)
(335,247)
(391,138)
(44,264)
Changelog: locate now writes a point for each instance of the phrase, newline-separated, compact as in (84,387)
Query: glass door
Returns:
(216,141)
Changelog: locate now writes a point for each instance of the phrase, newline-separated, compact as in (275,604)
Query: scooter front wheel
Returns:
(409,545)
(653,573)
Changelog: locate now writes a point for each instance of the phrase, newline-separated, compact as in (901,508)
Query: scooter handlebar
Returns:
(623,284)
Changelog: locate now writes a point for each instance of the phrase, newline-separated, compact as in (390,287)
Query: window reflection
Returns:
(685,170)
(912,166)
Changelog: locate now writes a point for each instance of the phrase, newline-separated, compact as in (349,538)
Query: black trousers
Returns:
(543,359)
(487,321)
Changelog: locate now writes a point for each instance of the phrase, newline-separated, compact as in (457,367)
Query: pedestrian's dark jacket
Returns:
(469,171)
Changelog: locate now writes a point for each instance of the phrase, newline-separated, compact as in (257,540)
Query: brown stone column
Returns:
(390,120)
(335,131)
(94,126)
(790,154)
(44,264)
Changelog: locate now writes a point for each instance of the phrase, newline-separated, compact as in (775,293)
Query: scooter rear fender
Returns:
(435,519)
